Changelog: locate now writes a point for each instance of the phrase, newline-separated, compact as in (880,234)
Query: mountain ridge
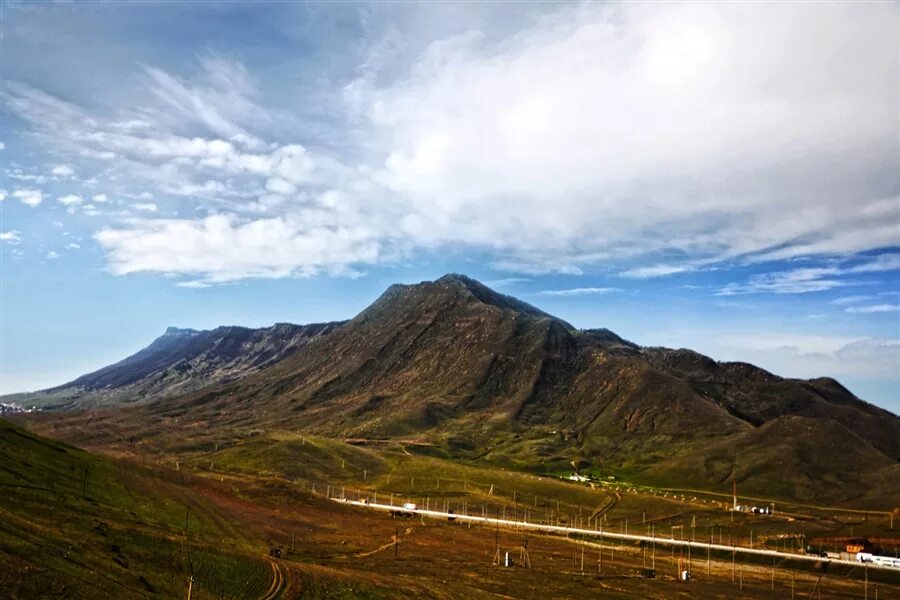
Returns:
(483,375)
(178,361)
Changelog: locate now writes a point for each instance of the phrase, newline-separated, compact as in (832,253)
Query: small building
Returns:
(856,545)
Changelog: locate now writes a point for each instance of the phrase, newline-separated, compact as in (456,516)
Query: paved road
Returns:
(613,536)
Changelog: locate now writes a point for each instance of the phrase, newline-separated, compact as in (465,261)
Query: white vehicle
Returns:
(410,506)
(881,561)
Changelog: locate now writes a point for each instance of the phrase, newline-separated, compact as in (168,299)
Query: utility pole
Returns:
(600,554)
(732,560)
(582,557)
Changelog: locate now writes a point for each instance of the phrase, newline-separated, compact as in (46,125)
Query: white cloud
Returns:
(882,262)
(72,246)
(100,198)
(2,146)
(29,197)
(276,185)
(63,171)
(584,291)
(193,284)
(70,200)
(506,281)
(145,206)
(808,356)
(2,194)
(628,129)
(609,136)
(654,271)
(20,175)
(875,308)
(52,255)
(814,279)
(851,299)
(223,249)
(220,100)
(798,281)
(11,237)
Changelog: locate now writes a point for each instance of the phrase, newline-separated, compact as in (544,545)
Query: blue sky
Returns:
(719,177)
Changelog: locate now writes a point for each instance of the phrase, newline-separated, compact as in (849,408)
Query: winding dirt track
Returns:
(277,581)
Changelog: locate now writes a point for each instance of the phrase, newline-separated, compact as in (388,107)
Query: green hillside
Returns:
(75,525)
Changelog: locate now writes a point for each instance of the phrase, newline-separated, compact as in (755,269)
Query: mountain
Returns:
(484,376)
(177,362)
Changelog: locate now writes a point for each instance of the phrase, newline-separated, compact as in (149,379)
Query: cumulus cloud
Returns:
(29,197)
(637,128)
(70,200)
(63,171)
(73,246)
(145,206)
(11,237)
(52,255)
(3,194)
(100,198)
(222,249)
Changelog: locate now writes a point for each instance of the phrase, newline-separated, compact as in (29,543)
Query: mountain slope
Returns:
(484,376)
(179,361)
(448,350)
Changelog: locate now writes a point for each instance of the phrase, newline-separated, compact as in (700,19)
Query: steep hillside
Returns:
(77,525)
(179,361)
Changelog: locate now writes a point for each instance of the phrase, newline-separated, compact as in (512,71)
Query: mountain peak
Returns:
(171,330)
(486,295)
(458,278)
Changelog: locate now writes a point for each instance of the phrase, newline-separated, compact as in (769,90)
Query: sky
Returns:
(722,177)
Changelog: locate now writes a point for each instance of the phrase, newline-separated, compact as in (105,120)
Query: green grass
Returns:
(294,456)
(75,525)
